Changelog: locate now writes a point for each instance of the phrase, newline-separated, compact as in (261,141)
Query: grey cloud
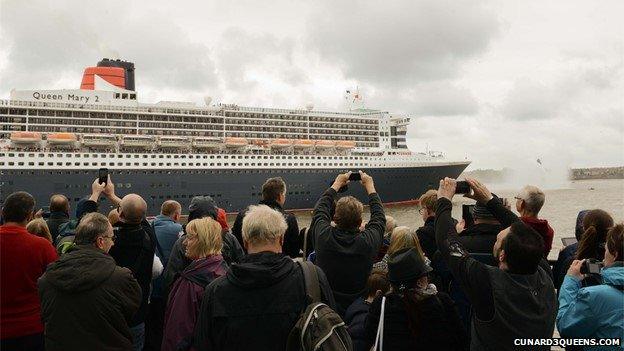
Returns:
(401,42)
(529,100)
(46,40)
(240,51)
(428,99)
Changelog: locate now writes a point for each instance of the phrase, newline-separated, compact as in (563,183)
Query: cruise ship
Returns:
(55,141)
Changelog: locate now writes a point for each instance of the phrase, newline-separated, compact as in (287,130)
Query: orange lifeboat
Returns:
(280,143)
(62,138)
(236,142)
(325,144)
(345,144)
(259,142)
(304,144)
(25,137)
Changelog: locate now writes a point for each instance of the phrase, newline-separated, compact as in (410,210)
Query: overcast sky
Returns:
(501,83)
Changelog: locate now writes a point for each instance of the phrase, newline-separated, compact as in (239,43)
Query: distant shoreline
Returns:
(500,175)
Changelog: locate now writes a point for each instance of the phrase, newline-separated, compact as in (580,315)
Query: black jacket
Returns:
(231,252)
(134,249)
(255,305)
(480,238)
(439,329)
(87,302)
(54,221)
(355,318)
(505,305)
(292,242)
(426,237)
(347,257)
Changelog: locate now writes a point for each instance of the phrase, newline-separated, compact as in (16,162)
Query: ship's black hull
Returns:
(232,189)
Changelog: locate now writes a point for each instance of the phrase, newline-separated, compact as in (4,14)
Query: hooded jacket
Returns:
(255,305)
(87,302)
(292,242)
(542,227)
(355,318)
(426,237)
(134,249)
(185,299)
(596,311)
(54,222)
(347,256)
(480,238)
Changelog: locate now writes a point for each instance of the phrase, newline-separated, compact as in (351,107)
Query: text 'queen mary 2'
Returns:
(54,141)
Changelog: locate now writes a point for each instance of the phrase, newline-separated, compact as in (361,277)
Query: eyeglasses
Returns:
(518,198)
(422,211)
(112,237)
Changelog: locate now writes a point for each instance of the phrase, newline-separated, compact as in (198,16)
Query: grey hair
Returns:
(533,198)
(263,225)
(91,226)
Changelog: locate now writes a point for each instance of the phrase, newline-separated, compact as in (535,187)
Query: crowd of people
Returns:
(123,282)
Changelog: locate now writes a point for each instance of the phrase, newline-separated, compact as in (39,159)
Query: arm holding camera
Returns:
(471,274)
(575,316)
(322,215)
(109,192)
(483,195)
(96,190)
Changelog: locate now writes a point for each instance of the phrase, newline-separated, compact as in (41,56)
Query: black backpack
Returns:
(319,327)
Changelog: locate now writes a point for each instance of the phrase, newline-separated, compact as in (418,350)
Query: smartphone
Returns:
(591,266)
(568,241)
(467,211)
(355,176)
(462,187)
(103,175)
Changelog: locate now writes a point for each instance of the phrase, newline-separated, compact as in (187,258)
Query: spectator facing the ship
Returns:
(596,311)
(402,237)
(88,302)
(59,213)
(481,236)
(39,227)
(390,226)
(203,246)
(566,255)
(23,259)
(274,196)
(529,202)
(426,233)
(514,300)
(268,283)
(355,317)
(167,231)
(343,252)
(416,315)
(134,249)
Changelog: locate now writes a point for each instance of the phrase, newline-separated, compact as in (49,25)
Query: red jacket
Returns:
(541,226)
(23,259)
(222,218)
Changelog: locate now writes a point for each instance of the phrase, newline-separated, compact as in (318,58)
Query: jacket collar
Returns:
(58,214)
(13,229)
(272,204)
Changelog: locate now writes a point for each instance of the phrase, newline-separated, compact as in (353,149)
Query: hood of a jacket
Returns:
(613,275)
(260,270)
(129,234)
(540,225)
(202,269)
(81,269)
(202,206)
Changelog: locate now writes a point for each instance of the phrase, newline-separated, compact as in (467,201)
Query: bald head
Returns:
(59,203)
(132,208)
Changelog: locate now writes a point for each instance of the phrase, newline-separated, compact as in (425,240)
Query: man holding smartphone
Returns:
(345,253)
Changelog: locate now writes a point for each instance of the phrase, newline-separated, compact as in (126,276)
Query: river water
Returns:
(563,202)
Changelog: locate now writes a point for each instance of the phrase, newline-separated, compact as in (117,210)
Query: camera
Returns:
(591,266)
(462,187)
(355,176)
(103,175)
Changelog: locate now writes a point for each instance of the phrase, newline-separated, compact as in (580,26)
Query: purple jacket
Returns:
(185,300)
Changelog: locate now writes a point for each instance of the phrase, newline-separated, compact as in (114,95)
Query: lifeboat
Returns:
(280,143)
(260,142)
(135,141)
(173,143)
(99,141)
(345,145)
(62,138)
(304,144)
(25,137)
(325,144)
(206,143)
(236,142)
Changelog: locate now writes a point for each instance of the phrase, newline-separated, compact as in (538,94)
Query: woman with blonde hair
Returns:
(203,245)
(39,227)
(402,237)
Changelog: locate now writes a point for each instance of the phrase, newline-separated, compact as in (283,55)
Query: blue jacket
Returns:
(167,232)
(595,311)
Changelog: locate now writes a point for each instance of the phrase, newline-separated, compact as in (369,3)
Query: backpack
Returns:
(318,327)
(65,239)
